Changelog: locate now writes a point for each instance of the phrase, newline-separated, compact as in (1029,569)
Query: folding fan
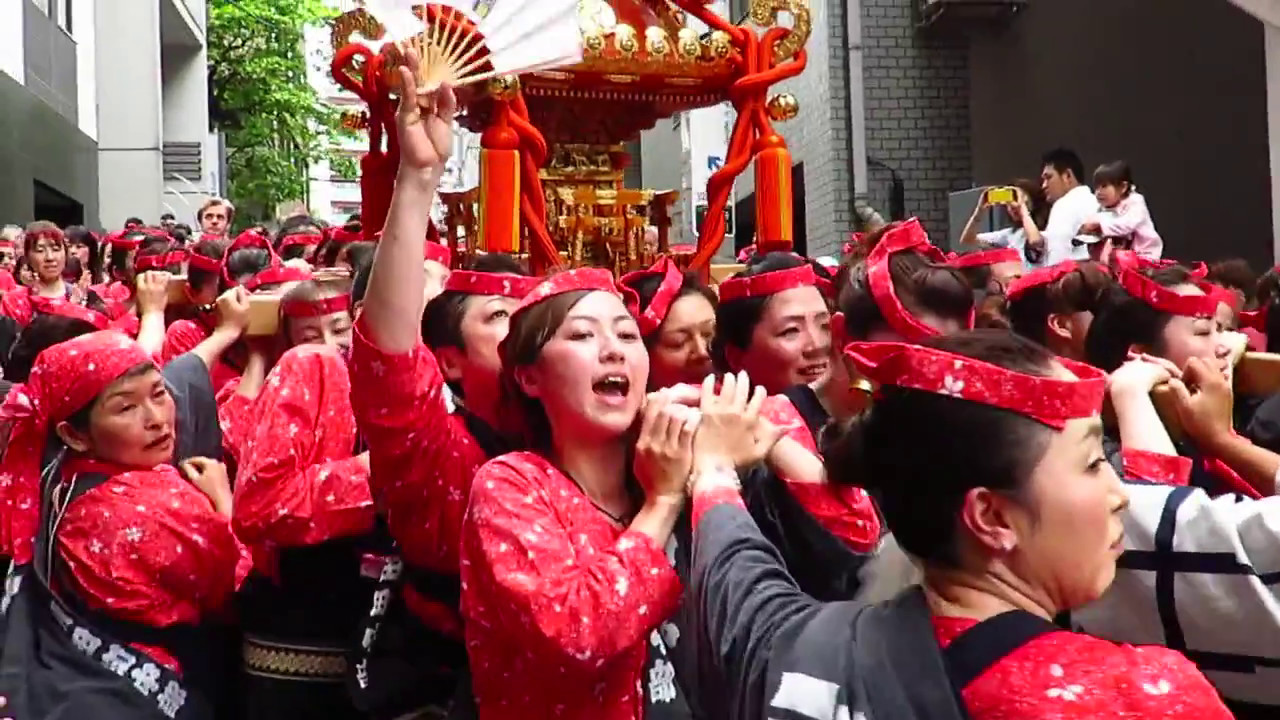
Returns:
(469,41)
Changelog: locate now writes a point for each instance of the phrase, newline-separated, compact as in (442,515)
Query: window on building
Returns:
(62,14)
(738,10)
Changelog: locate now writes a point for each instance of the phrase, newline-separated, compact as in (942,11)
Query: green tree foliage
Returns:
(275,124)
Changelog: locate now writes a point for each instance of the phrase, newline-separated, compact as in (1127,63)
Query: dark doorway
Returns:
(799,226)
(55,207)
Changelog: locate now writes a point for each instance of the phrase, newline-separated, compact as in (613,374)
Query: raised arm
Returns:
(393,303)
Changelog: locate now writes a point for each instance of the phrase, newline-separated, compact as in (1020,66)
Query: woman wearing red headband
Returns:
(303,506)
(141,559)
(1014,519)
(565,581)
(677,317)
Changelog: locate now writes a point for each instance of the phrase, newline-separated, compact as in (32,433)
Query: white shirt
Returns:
(1199,575)
(1012,238)
(1065,218)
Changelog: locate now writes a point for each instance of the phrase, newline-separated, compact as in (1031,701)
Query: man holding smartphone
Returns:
(1073,204)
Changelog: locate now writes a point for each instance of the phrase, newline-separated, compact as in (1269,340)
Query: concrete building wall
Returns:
(153,95)
(48,165)
(130,113)
(1177,89)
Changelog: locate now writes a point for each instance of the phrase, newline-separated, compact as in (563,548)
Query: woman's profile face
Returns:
(132,423)
(1186,337)
(1068,527)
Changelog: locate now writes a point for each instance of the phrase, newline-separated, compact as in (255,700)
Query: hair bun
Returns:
(843,447)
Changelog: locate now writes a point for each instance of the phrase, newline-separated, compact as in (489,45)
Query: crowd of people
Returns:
(297,474)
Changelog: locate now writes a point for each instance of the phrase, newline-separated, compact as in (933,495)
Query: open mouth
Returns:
(612,387)
(161,442)
(813,371)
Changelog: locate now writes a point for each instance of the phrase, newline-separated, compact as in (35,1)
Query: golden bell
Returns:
(504,87)
(783,107)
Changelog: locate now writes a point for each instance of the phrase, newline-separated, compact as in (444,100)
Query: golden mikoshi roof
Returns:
(642,62)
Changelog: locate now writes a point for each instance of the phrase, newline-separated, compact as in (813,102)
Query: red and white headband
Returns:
(316,308)
(652,317)
(436,252)
(590,279)
(769,283)
(1039,277)
(983,258)
(907,237)
(482,283)
(1164,299)
(1048,400)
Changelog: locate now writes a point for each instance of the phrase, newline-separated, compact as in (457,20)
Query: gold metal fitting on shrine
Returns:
(687,44)
(783,107)
(504,87)
(656,42)
(624,38)
(593,44)
(721,44)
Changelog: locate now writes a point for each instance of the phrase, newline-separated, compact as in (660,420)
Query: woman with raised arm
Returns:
(423,455)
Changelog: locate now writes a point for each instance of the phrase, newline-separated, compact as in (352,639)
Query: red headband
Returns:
(245,240)
(594,279)
(159,262)
(66,377)
(308,239)
(119,241)
(316,308)
(483,283)
(1051,401)
(1220,294)
(663,298)
(196,261)
(1165,300)
(276,274)
(1038,277)
(769,283)
(65,308)
(7,244)
(436,252)
(909,236)
(343,236)
(984,257)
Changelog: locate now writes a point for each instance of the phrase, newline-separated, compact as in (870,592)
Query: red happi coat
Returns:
(298,482)
(147,547)
(1072,676)
(559,601)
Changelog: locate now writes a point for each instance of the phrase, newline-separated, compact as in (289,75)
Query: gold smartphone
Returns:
(1001,196)
(176,290)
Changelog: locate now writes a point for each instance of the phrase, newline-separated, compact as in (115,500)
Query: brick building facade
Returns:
(875,82)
